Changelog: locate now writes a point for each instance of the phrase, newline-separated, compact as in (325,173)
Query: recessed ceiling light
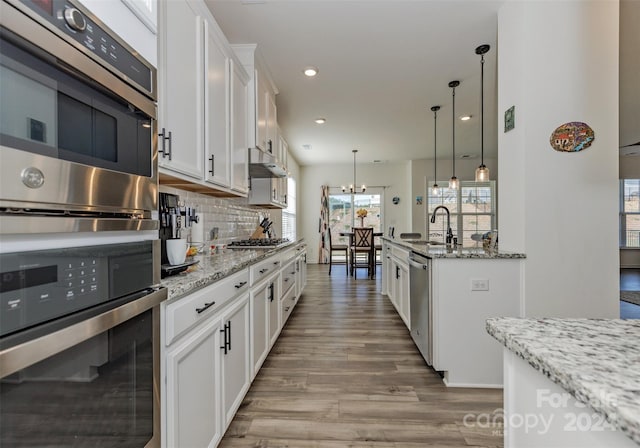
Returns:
(306,147)
(311,71)
(320,120)
(466,117)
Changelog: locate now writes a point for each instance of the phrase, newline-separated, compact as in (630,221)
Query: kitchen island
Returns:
(466,286)
(570,382)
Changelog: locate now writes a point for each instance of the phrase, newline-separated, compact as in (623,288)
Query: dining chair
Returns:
(362,251)
(338,249)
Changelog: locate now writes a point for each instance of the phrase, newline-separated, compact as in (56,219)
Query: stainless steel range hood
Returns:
(264,165)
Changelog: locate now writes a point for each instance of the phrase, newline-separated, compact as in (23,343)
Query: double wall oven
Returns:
(79,250)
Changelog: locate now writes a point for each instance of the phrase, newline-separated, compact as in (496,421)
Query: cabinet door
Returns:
(236,367)
(239,140)
(272,123)
(260,325)
(180,71)
(274,309)
(216,110)
(403,299)
(262,93)
(193,389)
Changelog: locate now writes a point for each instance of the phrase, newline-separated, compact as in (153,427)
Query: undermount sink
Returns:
(424,242)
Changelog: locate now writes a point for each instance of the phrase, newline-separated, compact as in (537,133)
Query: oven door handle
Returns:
(28,353)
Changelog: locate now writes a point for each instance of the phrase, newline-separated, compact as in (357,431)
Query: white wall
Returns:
(395,176)
(561,209)
(422,175)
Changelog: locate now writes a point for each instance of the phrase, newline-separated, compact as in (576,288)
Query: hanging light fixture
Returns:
(454,183)
(435,190)
(482,172)
(352,187)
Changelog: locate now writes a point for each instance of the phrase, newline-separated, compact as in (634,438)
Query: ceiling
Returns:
(382,65)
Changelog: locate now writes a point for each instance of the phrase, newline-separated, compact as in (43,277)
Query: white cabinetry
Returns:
(235,345)
(181,85)
(262,323)
(396,274)
(216,109)
(193,389)
(239,144)
(195,329)
(202,122)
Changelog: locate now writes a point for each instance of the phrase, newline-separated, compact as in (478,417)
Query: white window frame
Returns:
(623,217)
(457,214)
(289,214)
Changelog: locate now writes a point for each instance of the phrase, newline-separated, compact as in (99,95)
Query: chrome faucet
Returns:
(449,231)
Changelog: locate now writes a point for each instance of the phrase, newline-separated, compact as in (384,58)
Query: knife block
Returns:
(258,234)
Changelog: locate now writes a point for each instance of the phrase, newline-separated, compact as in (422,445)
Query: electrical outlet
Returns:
(479,284)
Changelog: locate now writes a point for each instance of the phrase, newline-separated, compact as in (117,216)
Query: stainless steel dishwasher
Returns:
(420,304)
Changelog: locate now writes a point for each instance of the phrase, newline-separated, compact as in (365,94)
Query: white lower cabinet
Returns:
(259,297)
(215,341)
(396,276)
(193,389)
(235,347)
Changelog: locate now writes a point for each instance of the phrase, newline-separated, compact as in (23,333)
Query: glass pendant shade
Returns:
(482,173)
(454,183)
(435,190)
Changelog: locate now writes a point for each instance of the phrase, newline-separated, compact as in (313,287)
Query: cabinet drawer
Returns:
(287,303)
(187,312)
(264,269)
(399,253)
(288,276)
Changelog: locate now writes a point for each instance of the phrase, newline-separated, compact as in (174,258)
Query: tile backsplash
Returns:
(234,217)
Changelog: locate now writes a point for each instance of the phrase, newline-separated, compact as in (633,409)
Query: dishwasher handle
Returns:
(415,264)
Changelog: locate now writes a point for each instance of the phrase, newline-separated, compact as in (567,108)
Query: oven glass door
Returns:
(49,109)
(96,393)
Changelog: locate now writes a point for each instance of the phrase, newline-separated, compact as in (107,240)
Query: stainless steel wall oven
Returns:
(80,286)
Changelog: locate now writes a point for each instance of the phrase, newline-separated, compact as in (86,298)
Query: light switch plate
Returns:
(479,284)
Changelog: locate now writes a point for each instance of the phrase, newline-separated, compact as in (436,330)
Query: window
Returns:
(289,213)
(630,213)
(472,208)
(341,216)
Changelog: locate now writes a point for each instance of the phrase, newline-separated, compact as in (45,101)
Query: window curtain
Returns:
(323,225)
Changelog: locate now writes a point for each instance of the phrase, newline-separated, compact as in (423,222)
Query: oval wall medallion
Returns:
(572,137)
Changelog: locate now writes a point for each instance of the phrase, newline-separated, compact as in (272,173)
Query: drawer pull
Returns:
(286,309)
(292,272)
(262,271)
(276,263)
(240,285)
(205,307)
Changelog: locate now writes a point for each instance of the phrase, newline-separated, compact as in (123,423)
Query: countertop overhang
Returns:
(596,360)
(444,251)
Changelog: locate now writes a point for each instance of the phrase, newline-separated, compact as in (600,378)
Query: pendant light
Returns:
(454,183)
(482,172)
(435,190)
(352,187)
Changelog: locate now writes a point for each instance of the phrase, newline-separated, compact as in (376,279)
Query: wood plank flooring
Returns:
(345,373)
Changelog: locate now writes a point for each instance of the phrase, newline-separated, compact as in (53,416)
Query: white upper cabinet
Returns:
(202,103)
(216,110)
(239,143)
(262,113)
(180,76)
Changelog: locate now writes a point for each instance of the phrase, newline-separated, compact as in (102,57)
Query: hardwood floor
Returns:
(345,373)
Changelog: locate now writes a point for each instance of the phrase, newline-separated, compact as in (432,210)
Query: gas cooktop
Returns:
(262,243)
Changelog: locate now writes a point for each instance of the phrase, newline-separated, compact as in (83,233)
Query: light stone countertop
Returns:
(211,268)
(443,251)
(595,360)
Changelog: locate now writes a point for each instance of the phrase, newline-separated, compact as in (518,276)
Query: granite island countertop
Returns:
(595,360)
(443,251)
(211,268)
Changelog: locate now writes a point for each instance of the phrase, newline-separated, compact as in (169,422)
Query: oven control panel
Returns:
(38,286)
(74,22)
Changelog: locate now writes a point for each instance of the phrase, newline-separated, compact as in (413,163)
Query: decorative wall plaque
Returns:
(572,137)
(510,119)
